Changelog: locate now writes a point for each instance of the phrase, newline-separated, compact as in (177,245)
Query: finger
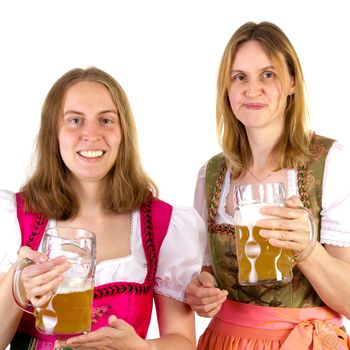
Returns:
(42,300)
(212,313)
(293,201)
(40,290)
(209,310)
(33,276)
(206,279)
(57,264)
(300,225)
(40,285)
(293,246)
(210,306)
(195,296)
(87,339)
(285,235)
(26,252)
(208,300)
(283,212)
(116,323)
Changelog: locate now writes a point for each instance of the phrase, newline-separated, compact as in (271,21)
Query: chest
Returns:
(226,209)
(112,234)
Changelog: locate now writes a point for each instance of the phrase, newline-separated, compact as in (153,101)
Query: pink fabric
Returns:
(129,301)
(263,317)
(241,326)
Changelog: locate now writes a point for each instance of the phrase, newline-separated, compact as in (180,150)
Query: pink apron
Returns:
(240,326)
(129,301)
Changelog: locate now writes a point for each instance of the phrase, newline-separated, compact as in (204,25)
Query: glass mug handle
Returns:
(17,291)
(312,238)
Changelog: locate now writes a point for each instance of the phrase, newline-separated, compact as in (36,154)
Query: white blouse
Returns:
(335,225)
(180,255)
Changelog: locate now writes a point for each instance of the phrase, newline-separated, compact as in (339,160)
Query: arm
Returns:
(327,268)
(201,293)
(10,313)
(176,325)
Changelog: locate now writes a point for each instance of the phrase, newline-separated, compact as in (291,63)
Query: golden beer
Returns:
(67,313)
(259,262)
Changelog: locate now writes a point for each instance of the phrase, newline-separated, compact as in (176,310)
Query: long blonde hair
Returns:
(49,190)
(293,146)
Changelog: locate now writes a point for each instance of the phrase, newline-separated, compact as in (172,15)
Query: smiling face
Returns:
(89,134)
(258,89)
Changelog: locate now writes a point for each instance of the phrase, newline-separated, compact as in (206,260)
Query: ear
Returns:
(292,87)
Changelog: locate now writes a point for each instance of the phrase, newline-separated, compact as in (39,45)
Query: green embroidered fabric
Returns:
(297,293)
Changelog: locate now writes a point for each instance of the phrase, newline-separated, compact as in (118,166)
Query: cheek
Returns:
(64,144)
(233,97)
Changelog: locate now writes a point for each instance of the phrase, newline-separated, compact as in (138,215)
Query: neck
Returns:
(262,143)
(90,198)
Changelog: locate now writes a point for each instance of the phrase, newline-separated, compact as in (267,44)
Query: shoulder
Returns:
(339,149)
(337,157)
(320,146)
(216,161)
(321,140)
(186,217)
(214,166)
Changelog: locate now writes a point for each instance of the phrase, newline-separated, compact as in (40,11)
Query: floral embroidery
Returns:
(98,312)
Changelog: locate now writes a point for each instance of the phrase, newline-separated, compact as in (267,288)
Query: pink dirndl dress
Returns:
(129,301)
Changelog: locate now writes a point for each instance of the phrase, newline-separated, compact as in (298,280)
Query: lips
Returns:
(254,106)
(92,154)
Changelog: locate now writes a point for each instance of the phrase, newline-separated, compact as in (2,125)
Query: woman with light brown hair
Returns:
(89,175)
(263,132)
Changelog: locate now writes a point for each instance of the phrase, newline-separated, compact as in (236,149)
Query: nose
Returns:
(253,88)
(91,132)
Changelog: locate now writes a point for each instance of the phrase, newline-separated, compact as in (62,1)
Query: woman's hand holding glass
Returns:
(42,277)
(118,336)
(290,229)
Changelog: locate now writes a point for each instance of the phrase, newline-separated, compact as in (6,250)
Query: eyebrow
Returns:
(72,111)
(261,69)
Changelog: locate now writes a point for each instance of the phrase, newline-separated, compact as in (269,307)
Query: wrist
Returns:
(146,345)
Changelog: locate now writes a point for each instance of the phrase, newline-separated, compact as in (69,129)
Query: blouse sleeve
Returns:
(181,253)
(335,225)
(10,232)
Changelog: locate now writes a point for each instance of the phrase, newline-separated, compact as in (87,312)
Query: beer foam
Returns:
(74,285)
(248,215)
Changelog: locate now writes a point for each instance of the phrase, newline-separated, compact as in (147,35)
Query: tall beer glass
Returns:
(258,261)
(68,312)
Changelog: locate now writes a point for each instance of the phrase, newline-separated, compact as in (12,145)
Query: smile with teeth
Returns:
(91,154)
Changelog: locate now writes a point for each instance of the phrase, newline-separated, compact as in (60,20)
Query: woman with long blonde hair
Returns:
(263,131)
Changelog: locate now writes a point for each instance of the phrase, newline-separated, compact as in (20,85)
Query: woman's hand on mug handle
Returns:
(42,277)
(203,296)
(291,228)
(118,336)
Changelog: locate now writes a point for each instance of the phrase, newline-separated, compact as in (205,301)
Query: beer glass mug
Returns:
(258,261)
(68,312)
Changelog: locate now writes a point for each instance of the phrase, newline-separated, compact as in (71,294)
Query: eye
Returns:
(239,77)
(106,121)
(75,121)
(269,75)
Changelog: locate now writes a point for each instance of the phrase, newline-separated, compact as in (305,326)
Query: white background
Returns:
(165,54)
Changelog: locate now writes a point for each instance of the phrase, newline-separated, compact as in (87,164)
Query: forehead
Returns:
(252,55)
(87,93)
